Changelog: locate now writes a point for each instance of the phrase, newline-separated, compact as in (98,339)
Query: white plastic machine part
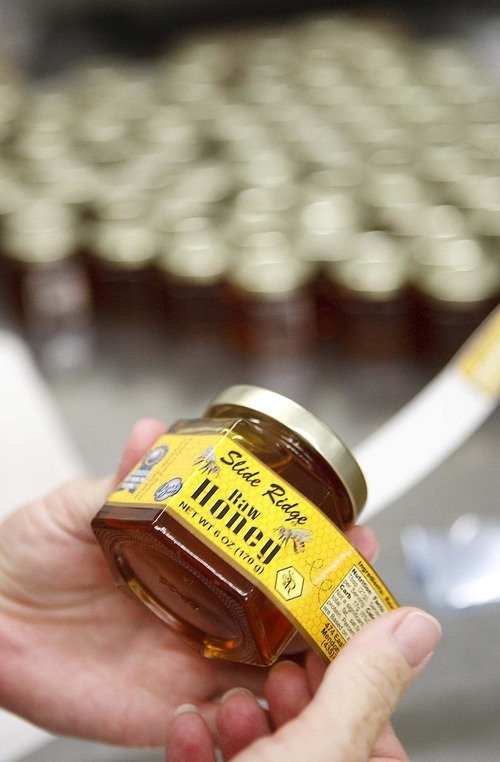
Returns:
(36,454)
(414,441)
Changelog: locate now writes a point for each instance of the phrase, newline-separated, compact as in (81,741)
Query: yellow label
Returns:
(264,528)
(480,359)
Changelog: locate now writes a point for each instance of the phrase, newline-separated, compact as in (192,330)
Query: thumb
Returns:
(361,689)
(143,435)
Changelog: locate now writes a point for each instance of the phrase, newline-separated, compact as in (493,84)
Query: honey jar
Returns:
(121,256)
(365,299)
(48,284)
(190,269)
(267,299)
(450,302)
(230,530)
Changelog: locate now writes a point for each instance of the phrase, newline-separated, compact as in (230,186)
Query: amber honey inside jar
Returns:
(268,300)
(180,577)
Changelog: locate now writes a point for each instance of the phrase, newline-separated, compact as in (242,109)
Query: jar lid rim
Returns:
(308,427)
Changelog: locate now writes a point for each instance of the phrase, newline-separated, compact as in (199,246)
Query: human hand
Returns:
(336,714)
(79,657)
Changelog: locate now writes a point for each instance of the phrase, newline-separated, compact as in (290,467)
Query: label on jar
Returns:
(264,528)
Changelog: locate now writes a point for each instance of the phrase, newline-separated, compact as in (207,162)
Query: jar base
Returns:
(207,602)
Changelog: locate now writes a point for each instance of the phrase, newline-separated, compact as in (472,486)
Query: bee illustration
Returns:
(299,537)
(288,582)
(209,461)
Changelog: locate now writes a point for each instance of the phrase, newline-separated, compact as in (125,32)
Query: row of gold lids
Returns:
(329,147)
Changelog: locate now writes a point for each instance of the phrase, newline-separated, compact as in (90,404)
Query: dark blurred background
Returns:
(48,34)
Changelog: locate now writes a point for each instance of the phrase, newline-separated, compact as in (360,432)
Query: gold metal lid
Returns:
(36,145)
(375,269)
(12,192)
(461,289)
(169,128)
(345,176)
(13,94)
(39,232)
(117,204)
(265,168)
(123,246)
(194,254)
(445,253)
(307,427)
(371,281)
(266,269)
(325,229)
(258,200)
(444,164)
(205,182)
(102,137)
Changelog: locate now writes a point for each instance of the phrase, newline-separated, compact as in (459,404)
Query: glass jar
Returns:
(450,302)
(48,283)
(365,299)
(121,257)
(269,310)
(210,528)
(191,266)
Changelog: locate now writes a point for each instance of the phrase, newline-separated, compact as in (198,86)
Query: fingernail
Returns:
(286,663)
(185,709)
(417,636)
(235,692)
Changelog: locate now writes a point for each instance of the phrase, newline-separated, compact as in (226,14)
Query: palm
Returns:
(82,655)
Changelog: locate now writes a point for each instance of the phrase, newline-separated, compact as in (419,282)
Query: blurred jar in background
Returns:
(49,284)
(445,169)
(195,67)
(169,135)
(393,200)
(269,311)
(485,218)
(453,292)
(121,256)
(325,229)
(324,232)
(434,223)
(344,176)
(206,184)
(190,268)
(102,138)
(259,210)
(366,298)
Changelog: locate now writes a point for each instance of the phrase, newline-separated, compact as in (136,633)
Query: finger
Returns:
(388,747)
(287,692)
(240,721)
(360,691)
(188,737)
(362,686)
(143,435)
(81,499)
(315,671)
(71,506)
(365,540)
